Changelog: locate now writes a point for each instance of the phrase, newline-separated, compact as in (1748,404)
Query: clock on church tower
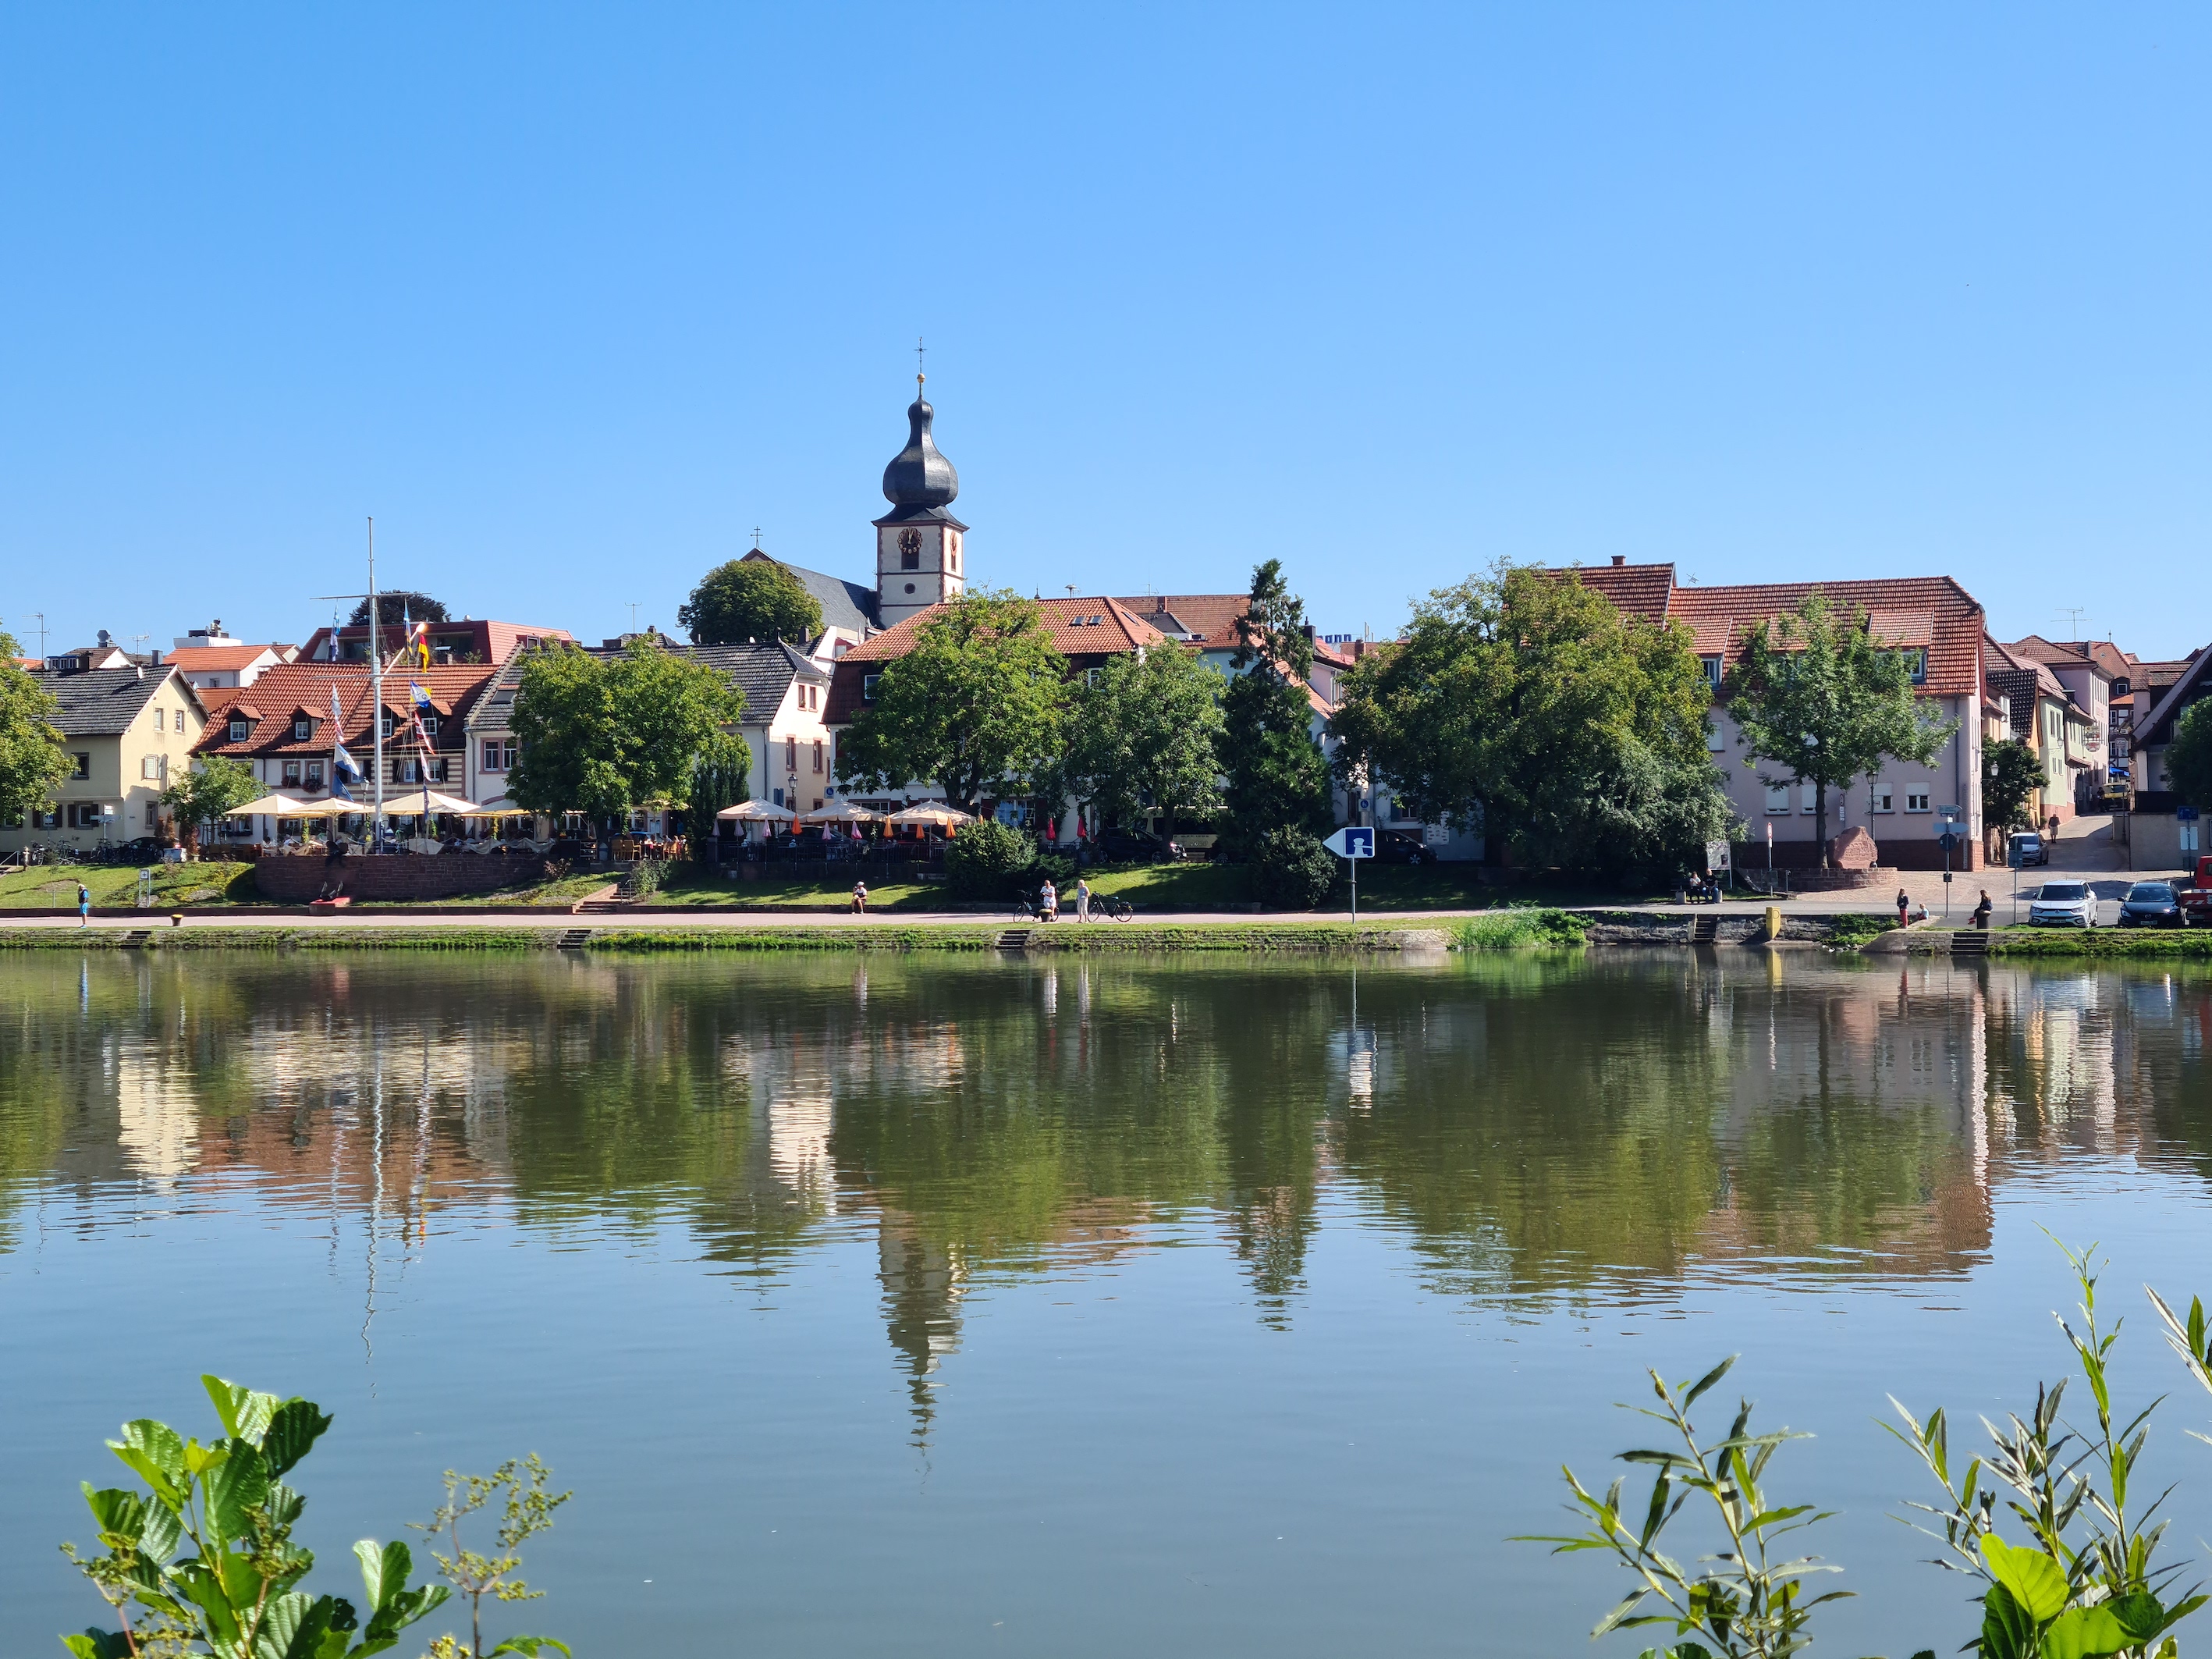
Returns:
(918,542)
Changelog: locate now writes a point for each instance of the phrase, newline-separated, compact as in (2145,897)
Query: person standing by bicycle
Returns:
(1047,901)
(1082,899)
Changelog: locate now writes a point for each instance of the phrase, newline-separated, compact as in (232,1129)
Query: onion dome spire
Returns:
(920,477)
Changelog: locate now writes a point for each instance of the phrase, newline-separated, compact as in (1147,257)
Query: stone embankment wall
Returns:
(298,880)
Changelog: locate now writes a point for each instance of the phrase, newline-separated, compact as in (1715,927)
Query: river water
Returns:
(946,1306)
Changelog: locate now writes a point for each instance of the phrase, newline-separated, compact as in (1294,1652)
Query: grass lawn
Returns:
(53,886)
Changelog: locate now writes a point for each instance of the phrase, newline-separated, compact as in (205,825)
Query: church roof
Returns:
(920,483)
(844,604)
(1209,619)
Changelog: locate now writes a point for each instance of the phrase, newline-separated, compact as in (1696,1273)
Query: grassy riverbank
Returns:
(2179,944)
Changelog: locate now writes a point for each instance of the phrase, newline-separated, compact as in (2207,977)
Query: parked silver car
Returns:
(2062,904)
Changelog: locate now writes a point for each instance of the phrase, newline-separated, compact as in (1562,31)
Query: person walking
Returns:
(1048,901)
(859,898)
(1082,900)
(84,905)
(1982,912)
(1904,904)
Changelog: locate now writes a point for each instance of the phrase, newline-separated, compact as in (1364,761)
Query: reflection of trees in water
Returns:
(1529,1124)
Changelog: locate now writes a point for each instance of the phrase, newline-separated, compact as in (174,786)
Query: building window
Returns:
(314,775)
(1093,675)
(868,687)
(1806,793)
(1714,742)
(238,730)
(385,722)
(302,728)
(151,767)
(818,754)
(1915,801)
(153,815)
(779,797)
(791,754)
(507,756)
(83,759)
(429,726)
(1712,667)
(1916,664)
(1883,801)
(292,772)
(161,719)
(1777,799)
(498,755)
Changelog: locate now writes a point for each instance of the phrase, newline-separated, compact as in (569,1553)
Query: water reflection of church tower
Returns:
(924,1281)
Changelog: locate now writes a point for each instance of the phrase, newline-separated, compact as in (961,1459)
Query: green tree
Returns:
(976,704)
(2010,776)
(1533,708)
(1145,736)
(987,860)
(720,777)
(1277,777)
(32,763)
(750,599)
(2189,756)
(1821,701)
(214,787)
(599,733)
(391,607)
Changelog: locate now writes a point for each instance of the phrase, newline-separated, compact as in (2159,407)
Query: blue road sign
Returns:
(1354,841)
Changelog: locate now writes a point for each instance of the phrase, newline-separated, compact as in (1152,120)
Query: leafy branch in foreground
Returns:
(2085,1584)
(528,1510)
(235,1593)
(1748,1604)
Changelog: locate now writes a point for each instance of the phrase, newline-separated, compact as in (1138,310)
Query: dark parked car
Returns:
(2153,904)
(2028,848)
(1403,846)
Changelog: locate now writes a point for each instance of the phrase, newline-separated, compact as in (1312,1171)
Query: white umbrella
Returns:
(501,808)
(930,811)
(757,811)
(843,812)
(411,803)
(284,806)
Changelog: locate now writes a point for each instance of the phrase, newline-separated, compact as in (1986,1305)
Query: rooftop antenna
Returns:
(39,617)
(2072,613)
(140,640)
(634,605)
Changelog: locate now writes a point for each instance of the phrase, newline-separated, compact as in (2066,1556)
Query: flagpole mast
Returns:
(376,688)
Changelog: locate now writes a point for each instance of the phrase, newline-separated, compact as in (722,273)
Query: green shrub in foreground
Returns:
(232,1592)
(1291,870)
(2082,1583)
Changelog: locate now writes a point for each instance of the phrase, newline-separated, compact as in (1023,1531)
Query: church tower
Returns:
(918,542)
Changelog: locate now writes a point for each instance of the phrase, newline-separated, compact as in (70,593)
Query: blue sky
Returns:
(572,299)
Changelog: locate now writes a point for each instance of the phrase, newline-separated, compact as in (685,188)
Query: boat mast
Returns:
(376,686)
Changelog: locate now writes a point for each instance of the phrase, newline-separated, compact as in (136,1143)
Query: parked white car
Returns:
(2062,904)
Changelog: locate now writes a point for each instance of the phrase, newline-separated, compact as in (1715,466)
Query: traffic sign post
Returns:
(1353,842)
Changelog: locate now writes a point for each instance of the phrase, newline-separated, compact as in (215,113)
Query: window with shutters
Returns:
(292,773)
(818,754)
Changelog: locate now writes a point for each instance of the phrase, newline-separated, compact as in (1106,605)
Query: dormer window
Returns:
(1712,667)
(429,726)
(386,723)
(302,728)
(1916,664)
(868,686)
(238,729)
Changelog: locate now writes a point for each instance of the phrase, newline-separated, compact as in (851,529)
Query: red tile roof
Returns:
(271,700)
(1084,630)
(1211,617)
(208,659)
(1077,627)
(1930,610)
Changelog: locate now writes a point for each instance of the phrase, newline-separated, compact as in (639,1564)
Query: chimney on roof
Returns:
(1620,558)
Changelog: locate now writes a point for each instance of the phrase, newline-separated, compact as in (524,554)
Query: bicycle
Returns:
(1114,910)
(1025,909)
